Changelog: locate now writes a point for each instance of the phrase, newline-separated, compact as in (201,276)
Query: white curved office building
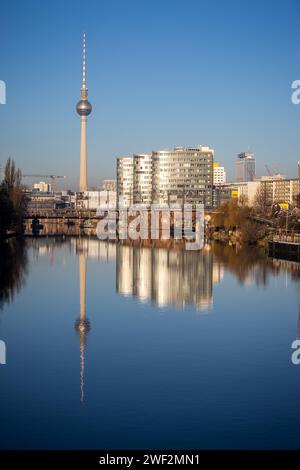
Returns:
(174,176)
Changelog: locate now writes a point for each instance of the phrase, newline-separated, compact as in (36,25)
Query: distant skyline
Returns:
(160,74)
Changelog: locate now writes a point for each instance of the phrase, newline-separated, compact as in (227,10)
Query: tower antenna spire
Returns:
(83,63)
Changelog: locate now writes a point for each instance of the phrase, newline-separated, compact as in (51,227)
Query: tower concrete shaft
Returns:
(83,185)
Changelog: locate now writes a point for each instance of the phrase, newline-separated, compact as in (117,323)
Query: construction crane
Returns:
(268,170)
(52,177)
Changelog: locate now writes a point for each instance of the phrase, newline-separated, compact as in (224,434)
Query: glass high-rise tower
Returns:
(245,167)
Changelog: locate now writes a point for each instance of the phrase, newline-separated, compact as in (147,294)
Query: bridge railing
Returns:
(46,213)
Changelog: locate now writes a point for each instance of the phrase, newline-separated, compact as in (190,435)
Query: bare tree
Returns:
(297,200)
(261,205)
(13,201)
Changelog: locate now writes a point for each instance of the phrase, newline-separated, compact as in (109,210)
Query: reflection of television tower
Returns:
(82,325)
(83,108)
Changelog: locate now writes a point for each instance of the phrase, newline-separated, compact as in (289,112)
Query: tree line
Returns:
(236,218)
(13,200)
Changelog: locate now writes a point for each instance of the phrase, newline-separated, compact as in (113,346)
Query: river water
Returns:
(112,346)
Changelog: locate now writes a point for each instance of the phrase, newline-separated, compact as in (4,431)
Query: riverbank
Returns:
(236,237)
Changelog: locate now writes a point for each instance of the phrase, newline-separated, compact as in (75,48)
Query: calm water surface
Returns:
(119,347)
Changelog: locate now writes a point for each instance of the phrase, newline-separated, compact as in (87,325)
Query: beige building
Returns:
(219,174)
(142,179)
(94,200)
(125,181)
(43,187)
(109,185)
(183,175)
(180,175)
(245,191)
(273,190)
(280,190)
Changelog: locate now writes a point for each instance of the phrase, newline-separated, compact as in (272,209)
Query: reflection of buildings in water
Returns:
(91,247)
(124,270)
(142,274)
(43,247)
(217,273)
(249,279)
(167,277)
(43,250)
(134,272)
(94,248)
(281,264)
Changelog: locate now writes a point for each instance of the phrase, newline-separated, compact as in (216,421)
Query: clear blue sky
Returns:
(161,73)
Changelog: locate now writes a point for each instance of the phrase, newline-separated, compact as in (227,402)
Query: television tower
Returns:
(83,108)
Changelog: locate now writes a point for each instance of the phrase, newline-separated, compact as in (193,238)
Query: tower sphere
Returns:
(84,107)
(82,326)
